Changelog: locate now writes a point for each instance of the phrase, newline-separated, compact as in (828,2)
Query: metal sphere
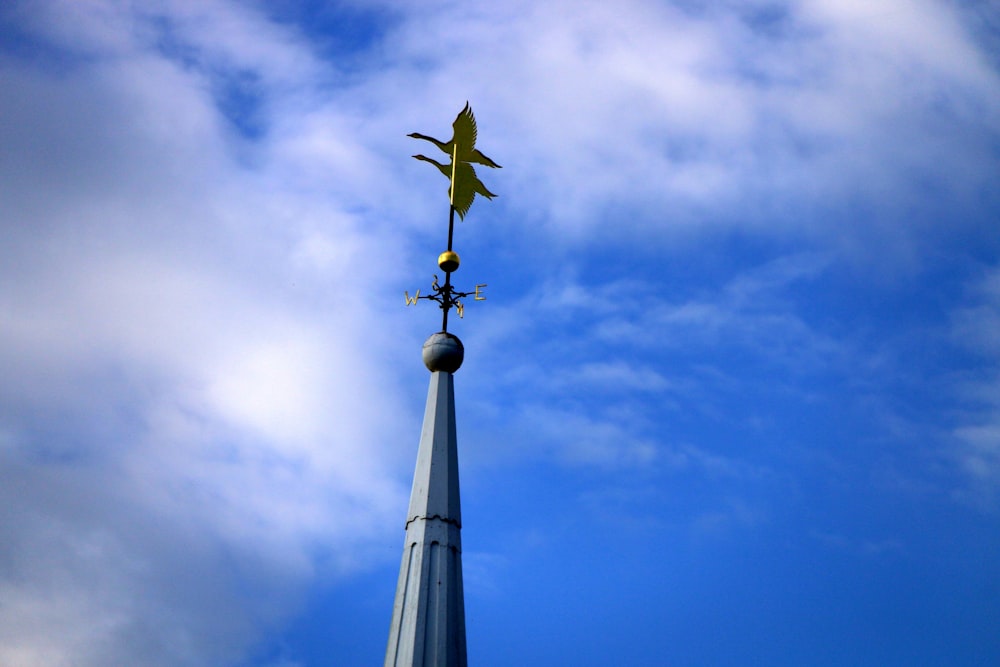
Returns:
(448,261)
(443,352)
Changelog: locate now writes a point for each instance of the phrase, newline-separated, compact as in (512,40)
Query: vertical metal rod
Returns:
(446,304)
(451,208)
(451,226)
(454,166)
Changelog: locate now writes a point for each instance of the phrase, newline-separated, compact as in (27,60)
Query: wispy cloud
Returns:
(977,439)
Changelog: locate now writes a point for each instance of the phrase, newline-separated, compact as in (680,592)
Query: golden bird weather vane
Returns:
(463,187)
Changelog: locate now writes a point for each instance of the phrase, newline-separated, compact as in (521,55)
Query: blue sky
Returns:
(733,399)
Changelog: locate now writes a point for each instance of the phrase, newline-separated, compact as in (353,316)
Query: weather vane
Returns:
(463,187)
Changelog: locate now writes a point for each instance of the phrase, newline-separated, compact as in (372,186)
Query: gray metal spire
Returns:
(428,615)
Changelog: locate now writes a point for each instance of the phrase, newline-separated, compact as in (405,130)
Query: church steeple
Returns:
(428,615)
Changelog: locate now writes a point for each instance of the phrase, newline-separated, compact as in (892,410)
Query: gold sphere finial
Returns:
(448,261)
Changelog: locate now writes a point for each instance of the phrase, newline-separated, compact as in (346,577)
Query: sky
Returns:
(733,397)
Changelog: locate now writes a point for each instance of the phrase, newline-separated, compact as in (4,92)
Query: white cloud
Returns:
(192,401)
(614,377)
(977,437)
(753,310)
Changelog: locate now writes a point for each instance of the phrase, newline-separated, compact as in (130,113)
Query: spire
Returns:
(428,615)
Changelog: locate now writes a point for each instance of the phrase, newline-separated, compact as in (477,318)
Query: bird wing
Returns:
(480,189)
(465,133)
(479,158)
(467,186)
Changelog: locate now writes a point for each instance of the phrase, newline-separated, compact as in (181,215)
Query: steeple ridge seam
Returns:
(443,519)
